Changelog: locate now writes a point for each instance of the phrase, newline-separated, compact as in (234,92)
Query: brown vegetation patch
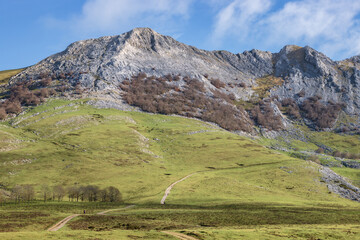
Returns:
(161,95)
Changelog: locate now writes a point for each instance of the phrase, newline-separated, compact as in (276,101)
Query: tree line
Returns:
(90,193)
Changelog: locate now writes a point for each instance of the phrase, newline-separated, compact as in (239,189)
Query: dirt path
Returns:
(110,210)
(62,223)
(180,235)
(167,191)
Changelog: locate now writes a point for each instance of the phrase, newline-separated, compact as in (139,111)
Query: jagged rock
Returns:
(106,61)
(305,69)
(339,185)
(351,164)
(99,65)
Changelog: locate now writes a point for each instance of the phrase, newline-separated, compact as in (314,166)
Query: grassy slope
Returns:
(7,74)
(339,142)
(141,154)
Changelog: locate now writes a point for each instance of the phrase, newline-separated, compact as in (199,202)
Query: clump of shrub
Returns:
(314,159)
(291,108)
(217,83)
(320,150)
(346,155)
(160,95)
(3,114)
(263,114)
(324,116)
(242,85)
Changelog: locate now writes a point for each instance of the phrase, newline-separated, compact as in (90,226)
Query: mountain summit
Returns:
(311,80)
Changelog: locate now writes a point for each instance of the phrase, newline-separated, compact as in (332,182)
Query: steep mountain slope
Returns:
(96,67)
(102,63)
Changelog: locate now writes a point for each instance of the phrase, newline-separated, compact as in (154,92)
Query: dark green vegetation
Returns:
(238,185)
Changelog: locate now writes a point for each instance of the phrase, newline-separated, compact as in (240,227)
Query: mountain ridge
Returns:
(99,66)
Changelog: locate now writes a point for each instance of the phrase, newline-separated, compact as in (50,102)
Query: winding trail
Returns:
(180,235)
(62,223)
(167,191)
(110,210)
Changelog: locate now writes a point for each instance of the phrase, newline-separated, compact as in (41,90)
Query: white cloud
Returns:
(104,16)
(331,26)
(238,17)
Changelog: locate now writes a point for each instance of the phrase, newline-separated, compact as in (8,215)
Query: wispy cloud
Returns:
(238,18)
(331,26)
(107,16)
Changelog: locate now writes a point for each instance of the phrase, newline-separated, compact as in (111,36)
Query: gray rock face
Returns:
(305,69)
(351,164)
(105,62)
(101,64)
(339,185)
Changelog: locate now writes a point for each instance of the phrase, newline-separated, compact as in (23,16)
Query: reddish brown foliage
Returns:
(45,82)
(263,114)
(323,115)
(217,83)
(12,107)
(3,114)
(156,95)
(292,108)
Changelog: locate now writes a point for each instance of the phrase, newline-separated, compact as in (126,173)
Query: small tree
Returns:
(28,192)
(114,194)
(46,192)
(58,192)
(17,193)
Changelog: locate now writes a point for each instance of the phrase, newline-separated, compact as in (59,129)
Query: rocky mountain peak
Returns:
(293,60)
(100,65)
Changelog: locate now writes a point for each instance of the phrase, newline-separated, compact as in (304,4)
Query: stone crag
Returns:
(100,65)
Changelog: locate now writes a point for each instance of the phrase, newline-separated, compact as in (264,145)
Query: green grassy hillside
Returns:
(7,74)
(237,182)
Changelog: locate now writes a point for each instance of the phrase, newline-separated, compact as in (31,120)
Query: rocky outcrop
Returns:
(100,65)
(103,63)
(339,185)
(308,71)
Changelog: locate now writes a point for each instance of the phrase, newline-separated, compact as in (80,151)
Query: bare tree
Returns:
(58,192)
(28,192)
(17,193)
(46,192)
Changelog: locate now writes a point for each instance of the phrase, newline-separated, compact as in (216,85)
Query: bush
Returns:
(301,93)
(13,107)
(159,95)
(217,83)
(45,82)
(242,84)
(263,114)
(314,159)
(3,114)
(44,92)
(324,116)
(292,108)
(320,150)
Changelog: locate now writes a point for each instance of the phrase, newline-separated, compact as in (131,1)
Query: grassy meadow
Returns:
(239,190)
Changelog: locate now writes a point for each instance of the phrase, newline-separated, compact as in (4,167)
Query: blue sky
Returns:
(35,29)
